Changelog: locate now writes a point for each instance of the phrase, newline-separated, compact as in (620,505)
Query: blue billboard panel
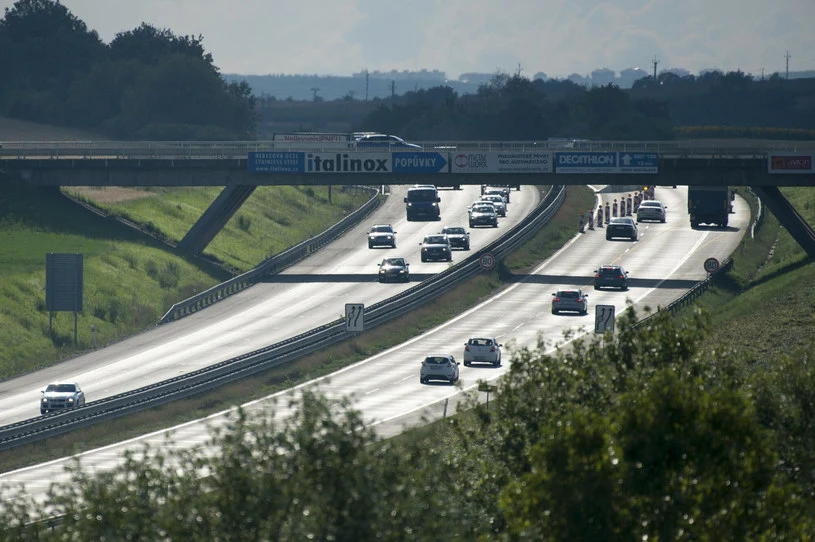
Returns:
(639,162)
(586,162)
(276,162)
(419,162)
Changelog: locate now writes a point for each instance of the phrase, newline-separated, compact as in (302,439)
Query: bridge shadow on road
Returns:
(588,280)
(415,278)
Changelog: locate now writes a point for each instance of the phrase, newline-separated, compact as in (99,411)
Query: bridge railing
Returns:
(240,149)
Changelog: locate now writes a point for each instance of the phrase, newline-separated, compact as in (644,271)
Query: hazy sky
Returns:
(557,37)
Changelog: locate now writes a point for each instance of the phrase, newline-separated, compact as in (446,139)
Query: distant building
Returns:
(629,75)
(602,77)
(578,79)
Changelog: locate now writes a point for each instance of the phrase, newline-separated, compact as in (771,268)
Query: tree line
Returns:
(644,436)
(146,83)
(149,83)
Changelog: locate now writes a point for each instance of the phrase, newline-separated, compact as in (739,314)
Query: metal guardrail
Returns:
(225,150)
(272,265)
(40,428)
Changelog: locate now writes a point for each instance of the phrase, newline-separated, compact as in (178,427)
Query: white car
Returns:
(382,235)
(439,367)
(482,350)
(651,210)
(497,202)
(61,396)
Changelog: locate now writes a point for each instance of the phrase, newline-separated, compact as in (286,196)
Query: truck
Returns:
(709,205)
(422,201)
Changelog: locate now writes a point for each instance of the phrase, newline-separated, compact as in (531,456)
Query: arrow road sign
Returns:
(354,317)
(419,162)
(603,318)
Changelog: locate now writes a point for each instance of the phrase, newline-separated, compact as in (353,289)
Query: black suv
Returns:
(611,276)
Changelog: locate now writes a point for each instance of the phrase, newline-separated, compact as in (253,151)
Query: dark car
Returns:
(458,236)
(482,214)
(394,270)
(436,247)
(611,276)
(622,227)
(570,300)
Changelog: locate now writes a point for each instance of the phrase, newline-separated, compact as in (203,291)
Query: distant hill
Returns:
(23,130)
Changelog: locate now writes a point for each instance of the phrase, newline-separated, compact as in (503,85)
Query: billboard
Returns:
(275,162)
(607,162)
(790,163)
(419,162)
(501,162)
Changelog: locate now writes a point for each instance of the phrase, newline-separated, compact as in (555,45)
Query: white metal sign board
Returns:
(603,318)
(354,317)
(501,162)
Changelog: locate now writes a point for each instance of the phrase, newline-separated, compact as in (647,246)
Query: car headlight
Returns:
(44,399)
(70,399)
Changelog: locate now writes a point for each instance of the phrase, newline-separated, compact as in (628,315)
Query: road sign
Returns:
(791,163)
(711,265)
(483,386)
(276,162)
(419,162)
(587,162)
(639,162)
(354,317)
(486,261)
(603,318)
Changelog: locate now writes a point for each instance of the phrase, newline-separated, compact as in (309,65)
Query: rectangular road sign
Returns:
(420,162)
(586,162)
(354,317)
(348,162)
(790,163)
(639,162)
(275,162)
(603,318)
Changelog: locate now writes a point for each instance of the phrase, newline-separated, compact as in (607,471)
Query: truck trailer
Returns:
(709,205)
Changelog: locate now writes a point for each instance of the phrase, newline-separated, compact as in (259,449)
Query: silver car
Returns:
(497,202)
(651,210)
(482,350)
(382,235)
(483,214)
(61,396)
(439,367)
(570,300)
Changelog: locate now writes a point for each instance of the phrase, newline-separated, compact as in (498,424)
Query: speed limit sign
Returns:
(711,265)
(487,261)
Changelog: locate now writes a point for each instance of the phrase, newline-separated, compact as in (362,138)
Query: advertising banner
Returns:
(501,162)
(790,163)
(275,162)
(419,162)
(587,162)
(348,162)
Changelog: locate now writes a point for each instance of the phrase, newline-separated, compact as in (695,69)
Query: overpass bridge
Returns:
(241,166)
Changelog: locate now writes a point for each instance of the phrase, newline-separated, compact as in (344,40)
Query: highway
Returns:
(664,263)
(303,297)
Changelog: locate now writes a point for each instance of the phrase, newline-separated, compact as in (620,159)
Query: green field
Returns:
(131,279)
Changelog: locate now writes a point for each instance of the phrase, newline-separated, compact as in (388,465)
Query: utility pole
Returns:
(393,90)
(518,73)
(314,90)
(367,76)
(655,62)
(762,74)
(787,56)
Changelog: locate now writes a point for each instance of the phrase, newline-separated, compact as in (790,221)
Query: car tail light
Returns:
(621,277)
(492,349)
(597,275)
(557,299)
(467,347)
(449,364)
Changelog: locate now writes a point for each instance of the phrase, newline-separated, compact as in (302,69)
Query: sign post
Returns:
(483,386)
(354,317)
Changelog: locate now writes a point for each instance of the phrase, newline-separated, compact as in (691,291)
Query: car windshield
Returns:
(422,195)
(381,229)
(622,221)
(454,231)
(480,342)
(435,240)
(436,360)
(61,388)
(610,271)
(569,294)
(650,204)
(482,209)
(396,262)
